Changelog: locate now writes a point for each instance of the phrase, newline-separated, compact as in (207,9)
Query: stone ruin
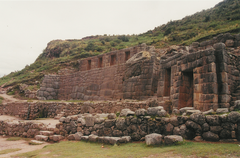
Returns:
(203,75)
(199,84)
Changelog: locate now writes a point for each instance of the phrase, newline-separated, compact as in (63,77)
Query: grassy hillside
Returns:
(224,17)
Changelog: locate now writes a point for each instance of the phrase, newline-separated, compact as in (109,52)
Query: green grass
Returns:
(134,150)
(18,138)
(6,151)
(1,99)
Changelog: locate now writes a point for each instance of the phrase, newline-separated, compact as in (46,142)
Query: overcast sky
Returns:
(27,26)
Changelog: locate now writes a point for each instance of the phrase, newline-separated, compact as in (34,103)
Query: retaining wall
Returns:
(196,126)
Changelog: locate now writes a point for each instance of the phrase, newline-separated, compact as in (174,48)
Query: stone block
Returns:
(153,139)
(222,110)
(209,136)
(173,139)
(89,121)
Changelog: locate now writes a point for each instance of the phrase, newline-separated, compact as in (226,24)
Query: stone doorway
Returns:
(186,90)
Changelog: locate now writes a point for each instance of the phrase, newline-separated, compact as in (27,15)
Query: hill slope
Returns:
(59,54)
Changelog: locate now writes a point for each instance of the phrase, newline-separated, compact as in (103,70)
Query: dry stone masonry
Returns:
(148,125)
(204,75)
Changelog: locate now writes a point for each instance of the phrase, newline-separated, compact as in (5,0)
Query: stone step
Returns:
(41,138)
(46,133)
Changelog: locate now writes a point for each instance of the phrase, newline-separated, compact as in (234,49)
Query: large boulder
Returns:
(172,139)
(234,117)
(210,136)
(198,118)
(153,139)
(213,120)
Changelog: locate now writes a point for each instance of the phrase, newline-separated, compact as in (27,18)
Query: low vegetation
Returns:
(134,150)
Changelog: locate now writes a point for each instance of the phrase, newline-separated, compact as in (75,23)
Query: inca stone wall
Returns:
(21,129)
(31,110)
(140,123)
(204,75)
(102,78)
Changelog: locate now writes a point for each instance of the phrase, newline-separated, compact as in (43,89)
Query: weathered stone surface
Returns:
(162,113)
(234,117)
(209,136)
(154,110)
(120,124)
(215,129)
(190,112)
(198,139)
(174,121)
(117,133)
(205,127)
(176,111)
(85,138)
(93,138)
(112,116)
(109,123)
(141,112)
(208,112)
(225,134)
(173,139)
(41,137)
(196,127)
(36,142)
(113,140)
(213,120)
(198,118)
(168,129)
(183,110)
(176,131)
(71,137)
(62,119)
(78,135)
(126,112)
(222,110)
(125,139)
(153,139)
(89,121)
(57,138)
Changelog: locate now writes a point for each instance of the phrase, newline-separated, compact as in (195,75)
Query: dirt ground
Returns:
(22,144)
